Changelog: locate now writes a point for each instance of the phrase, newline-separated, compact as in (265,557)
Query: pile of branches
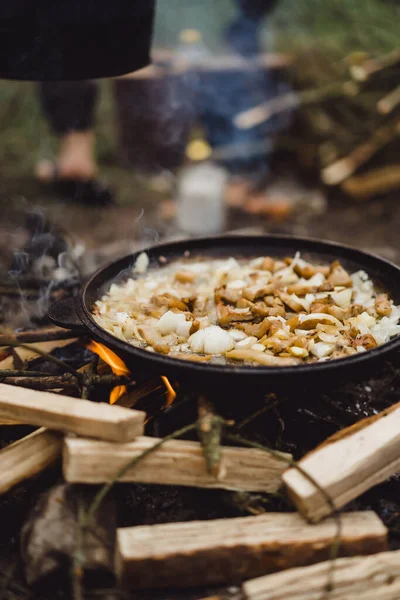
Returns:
(345,80)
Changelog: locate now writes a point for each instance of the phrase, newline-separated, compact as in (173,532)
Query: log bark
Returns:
(27,457)
(63,413)
(365,578)
(230,550)
(348,464)
(176,462)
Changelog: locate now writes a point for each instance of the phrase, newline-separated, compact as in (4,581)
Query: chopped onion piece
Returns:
(248,342)
(298,352)
(320,349)
(141,264)
(237,335)
(342,298)
(238,284)
(329,339)
(171,322)
(258,348)
(211,340)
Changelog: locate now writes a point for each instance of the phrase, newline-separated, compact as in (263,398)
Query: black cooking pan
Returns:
(75,313)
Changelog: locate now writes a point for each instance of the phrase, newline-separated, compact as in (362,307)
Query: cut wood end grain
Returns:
(230,550)
(27,457)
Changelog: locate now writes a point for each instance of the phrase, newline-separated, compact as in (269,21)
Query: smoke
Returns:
(43,268)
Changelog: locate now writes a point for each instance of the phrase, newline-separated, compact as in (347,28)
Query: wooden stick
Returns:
(389,102)
(348,464)
(27,457)
(374,65)
(63,413)
(169,63)
(376,181)
(365,578)
(230,550)
(343,168)
(27,355)
(36,335)
(177,462)
(253,117)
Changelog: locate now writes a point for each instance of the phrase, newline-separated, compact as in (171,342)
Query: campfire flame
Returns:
(171,394)
(117,365)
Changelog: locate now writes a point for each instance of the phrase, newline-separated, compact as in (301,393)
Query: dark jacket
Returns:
(73,39)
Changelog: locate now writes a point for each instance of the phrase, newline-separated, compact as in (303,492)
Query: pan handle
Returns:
(63,313)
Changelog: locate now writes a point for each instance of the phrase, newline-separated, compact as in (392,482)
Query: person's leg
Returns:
(69,108)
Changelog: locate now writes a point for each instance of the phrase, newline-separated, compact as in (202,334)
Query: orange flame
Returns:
(117,365)
(171,394)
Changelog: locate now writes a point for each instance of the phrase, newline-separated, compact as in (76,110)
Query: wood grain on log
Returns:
(27,457)
(230,550)
(74,415)
(176,462)
(348,464)
(375,577)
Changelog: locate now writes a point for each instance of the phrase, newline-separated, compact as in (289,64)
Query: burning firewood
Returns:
(348,464)
(177,462)
(70,414)
(226,550)
(27,457)
(367,577)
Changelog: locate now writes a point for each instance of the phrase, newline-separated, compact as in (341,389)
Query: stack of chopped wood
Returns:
(348,120)
(100,443)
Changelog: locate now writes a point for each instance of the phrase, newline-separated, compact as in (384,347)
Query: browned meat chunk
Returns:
(339,276)
(382,305)
(258,330)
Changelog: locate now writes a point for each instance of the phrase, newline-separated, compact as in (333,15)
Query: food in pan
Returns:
(261,311)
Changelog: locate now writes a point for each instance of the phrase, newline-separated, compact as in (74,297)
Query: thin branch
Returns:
(60,363)
(38,335)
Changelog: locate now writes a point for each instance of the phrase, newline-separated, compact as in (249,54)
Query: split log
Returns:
(176,462)
(27,457)
(230,550)
(364,578)
(63,413)
(27,355)
(347,464)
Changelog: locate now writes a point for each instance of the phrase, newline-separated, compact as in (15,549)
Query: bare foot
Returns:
(276,206)
(236,192)
(75,159)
